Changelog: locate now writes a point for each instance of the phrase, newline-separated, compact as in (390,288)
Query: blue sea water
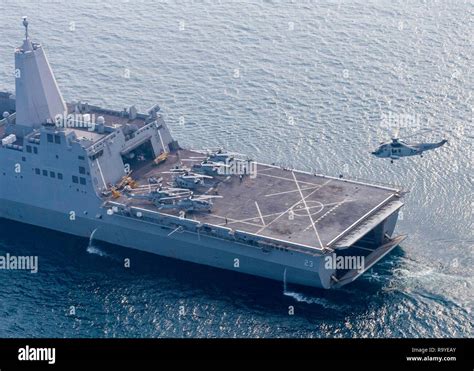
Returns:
(307,84)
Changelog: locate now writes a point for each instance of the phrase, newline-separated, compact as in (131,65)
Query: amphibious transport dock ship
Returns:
(120,177)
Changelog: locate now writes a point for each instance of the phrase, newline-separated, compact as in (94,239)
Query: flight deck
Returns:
(287,205)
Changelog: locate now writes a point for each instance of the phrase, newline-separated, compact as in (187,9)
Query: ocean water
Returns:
(314,85)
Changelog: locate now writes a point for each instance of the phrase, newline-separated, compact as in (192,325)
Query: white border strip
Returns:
(334,178)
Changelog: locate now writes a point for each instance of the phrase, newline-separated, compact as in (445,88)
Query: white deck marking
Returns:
(266,169)
(290,180)
(307,210)
(285,192)
(292,206)
(336,205)
(235,221)
(260,213)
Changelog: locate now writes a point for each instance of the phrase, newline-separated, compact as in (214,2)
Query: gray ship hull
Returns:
(291,267)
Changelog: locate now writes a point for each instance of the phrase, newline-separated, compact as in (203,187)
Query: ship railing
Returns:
(112,112)
(137,138)
(176,223)
(248,237)
(396,188)
(371,182)
(366,182)
(100,144)
(10,118)
(15,147)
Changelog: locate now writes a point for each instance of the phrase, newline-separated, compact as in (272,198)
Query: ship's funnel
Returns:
(38,99)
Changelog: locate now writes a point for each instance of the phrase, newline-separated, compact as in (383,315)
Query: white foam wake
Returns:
(301,298)
(96,251)
(91,249)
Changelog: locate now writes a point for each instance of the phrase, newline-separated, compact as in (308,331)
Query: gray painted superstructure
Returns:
(74,168)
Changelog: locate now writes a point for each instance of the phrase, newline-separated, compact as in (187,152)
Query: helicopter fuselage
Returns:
(189,182)
(190,205)
(397,149)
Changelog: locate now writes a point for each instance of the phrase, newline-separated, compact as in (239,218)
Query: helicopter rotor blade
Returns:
(170,198)
(183,190)
(205,197)
(175,171)
(396,133)
(193,175)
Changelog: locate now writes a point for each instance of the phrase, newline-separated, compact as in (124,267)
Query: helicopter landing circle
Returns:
(314,207)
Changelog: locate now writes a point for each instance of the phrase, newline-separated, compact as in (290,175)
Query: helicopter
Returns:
(190,180)
(398,148)
(192,204)
(220,155)
(158,194)
(207,167)
(184,178)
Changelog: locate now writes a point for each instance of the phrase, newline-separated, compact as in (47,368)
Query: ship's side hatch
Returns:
(139,156)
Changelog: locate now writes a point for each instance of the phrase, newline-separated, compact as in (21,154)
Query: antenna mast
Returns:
(25,23)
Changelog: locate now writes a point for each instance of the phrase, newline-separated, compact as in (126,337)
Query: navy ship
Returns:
(119,176)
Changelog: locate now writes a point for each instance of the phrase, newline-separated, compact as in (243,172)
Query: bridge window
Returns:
(60,176)
(82,170)
(50,138)
(35,150)
(45,172)
(28,149)
(37,171)
(75,179)
(57,139)
(82,180)
(52,174)
(81,158)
